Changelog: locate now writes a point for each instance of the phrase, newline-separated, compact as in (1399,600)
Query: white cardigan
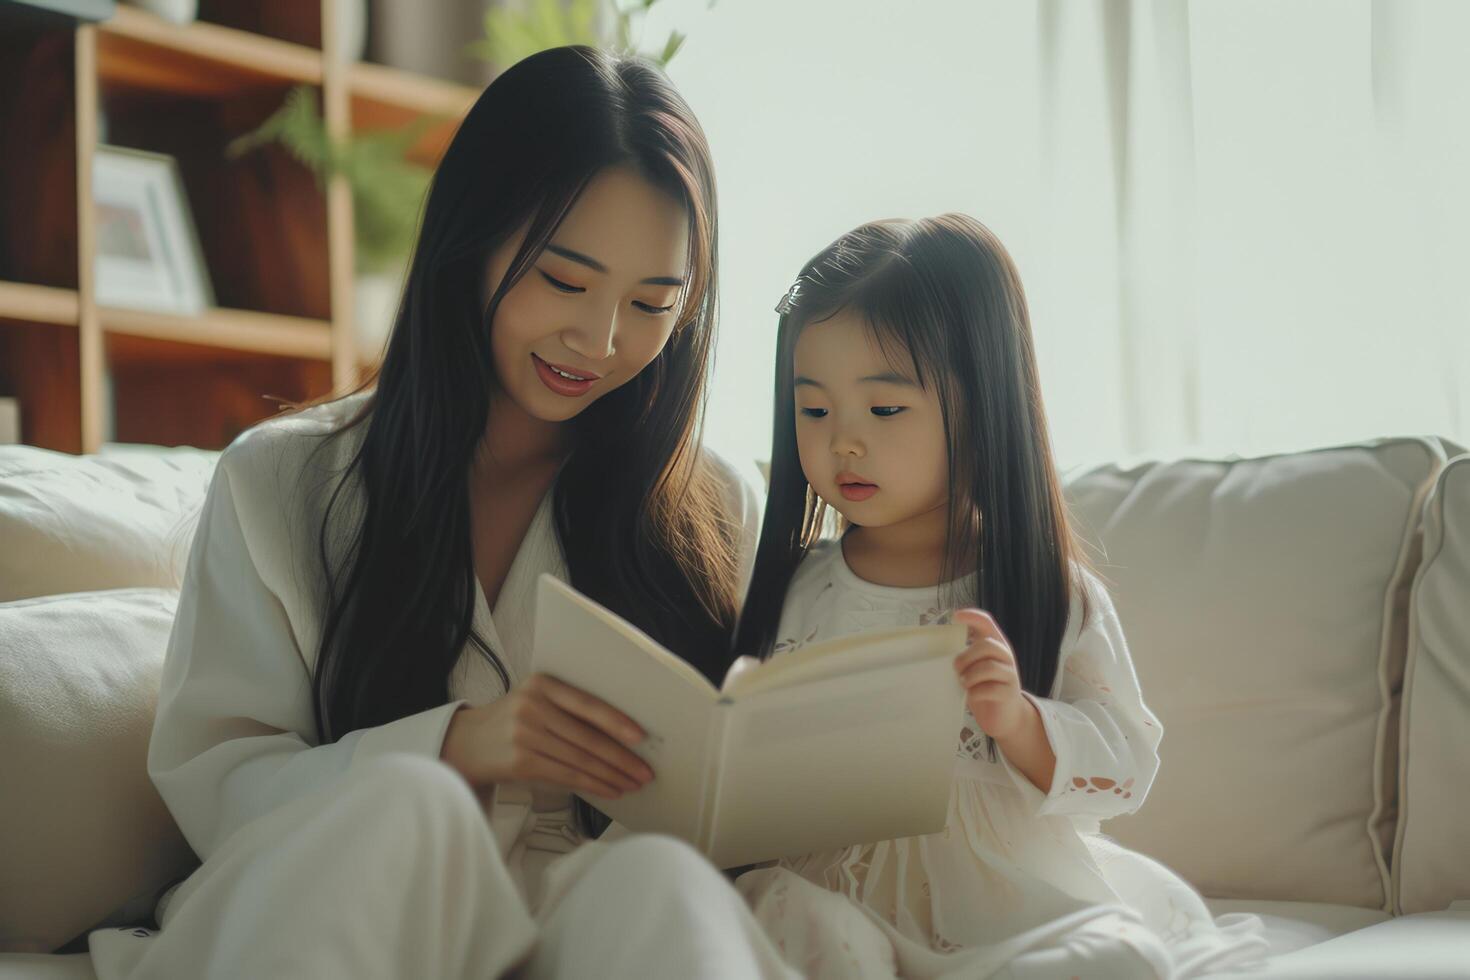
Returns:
(235,735)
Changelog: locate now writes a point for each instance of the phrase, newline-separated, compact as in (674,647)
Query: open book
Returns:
(843,742)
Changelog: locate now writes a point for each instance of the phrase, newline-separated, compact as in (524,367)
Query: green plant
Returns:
(516,30)
(387,188)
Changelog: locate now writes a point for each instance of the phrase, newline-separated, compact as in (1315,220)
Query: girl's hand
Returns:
(987,670)
(551,733)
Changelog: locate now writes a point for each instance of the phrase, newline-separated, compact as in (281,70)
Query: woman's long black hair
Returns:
(638,514)
(942,295)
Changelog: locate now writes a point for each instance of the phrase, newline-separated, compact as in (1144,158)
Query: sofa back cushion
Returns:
(1263,604)
(83,832)
(83,523)
(1431,861)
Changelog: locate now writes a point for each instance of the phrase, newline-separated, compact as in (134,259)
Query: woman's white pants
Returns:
(393,872)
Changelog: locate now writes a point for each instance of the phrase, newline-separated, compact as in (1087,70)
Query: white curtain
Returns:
(1243,225)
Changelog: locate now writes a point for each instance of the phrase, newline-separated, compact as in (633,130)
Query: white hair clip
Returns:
(788,302)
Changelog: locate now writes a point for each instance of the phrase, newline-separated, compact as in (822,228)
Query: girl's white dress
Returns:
(1020,883)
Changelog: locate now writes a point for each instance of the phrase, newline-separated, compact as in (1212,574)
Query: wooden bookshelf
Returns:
(279,248)
(139,50)
(384,97)
(26,303)
(231,330)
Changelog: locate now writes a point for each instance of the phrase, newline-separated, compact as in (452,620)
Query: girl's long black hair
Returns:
(940,294)
(638,514)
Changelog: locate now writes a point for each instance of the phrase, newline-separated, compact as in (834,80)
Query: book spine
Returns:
(714,766)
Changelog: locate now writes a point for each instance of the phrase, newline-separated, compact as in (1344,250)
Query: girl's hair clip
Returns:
(788,302)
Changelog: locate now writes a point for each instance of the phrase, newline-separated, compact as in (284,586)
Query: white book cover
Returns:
(838,743)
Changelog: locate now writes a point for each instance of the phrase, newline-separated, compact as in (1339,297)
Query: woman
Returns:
(348,733)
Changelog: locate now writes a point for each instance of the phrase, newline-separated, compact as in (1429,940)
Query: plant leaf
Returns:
(387,189)
(671,48)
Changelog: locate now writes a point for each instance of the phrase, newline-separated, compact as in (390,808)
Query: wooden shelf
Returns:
(139,50)
(38,182)
(399,94)
(278,245)
(384,97)
(40,367)
(39,304)
(224,330)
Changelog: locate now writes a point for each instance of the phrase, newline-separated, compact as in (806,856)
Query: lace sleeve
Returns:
(1105,738)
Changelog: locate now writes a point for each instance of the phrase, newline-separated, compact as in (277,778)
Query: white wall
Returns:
(1252,239)
(822,116)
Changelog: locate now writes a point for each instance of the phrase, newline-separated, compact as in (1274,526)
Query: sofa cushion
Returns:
(36,966)
(1262,601)
(1427,946)
(82,523)
(1290,926)
(83,830)
(1431,863)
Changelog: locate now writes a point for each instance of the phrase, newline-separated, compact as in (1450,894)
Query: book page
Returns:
(839,760)
(583,644)
(845,655)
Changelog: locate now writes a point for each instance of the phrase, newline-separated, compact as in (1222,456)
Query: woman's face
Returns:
(598,304)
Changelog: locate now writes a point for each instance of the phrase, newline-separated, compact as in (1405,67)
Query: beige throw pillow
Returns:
(1431,861)
(1263,603)
(82,830)
(81,523)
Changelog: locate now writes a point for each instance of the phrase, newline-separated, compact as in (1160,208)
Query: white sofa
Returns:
(1300,624)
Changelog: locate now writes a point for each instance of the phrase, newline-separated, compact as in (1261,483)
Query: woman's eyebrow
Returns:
(597,266)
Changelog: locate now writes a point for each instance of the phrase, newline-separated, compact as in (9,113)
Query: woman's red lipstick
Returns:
(548,373)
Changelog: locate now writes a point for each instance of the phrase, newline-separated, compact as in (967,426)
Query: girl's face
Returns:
(871,439)
(598,304)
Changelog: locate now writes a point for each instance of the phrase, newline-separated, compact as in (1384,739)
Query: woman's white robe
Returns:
(368,856)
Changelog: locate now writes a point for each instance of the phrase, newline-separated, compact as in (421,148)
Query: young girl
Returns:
(908,402)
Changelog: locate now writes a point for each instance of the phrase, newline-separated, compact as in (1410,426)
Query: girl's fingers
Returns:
(981,623)
(989,691)
(548,744)
(987,649)
(594,711)
(987,670)
(596,743)
(970,614)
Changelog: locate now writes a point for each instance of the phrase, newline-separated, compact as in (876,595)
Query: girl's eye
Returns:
(650,308)
(887,411)
(814,413)
(557,284)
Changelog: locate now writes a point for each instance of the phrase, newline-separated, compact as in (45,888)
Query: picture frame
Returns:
(148,253)
(9,421)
